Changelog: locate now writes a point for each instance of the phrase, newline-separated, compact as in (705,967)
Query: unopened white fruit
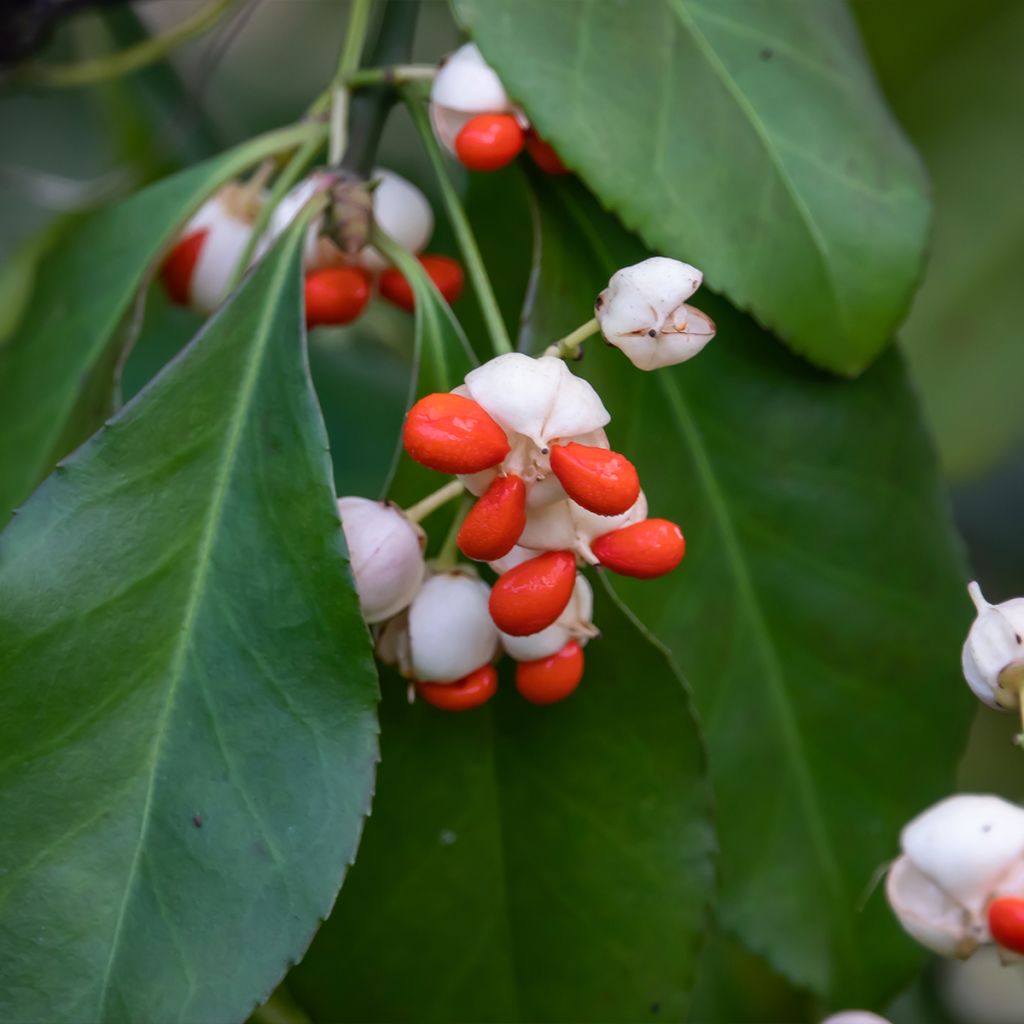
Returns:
(994,645)
(451,632)
(227,235)
(401,211)
(386,554)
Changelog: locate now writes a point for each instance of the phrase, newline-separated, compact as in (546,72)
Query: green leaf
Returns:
(963,334)
(187,694)
(748,139)
(57,374)
(818,613)
(529,863)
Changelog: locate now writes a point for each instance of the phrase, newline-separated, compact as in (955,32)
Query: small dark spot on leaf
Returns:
(197,820)
(767,53)
(655,1007)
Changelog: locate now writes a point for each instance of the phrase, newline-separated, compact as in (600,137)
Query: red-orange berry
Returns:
(646,549)
(453,434)
(495,522)
(488,142)
(543,154)
(336,295)
(445,272)
(551,679)
(177,269)
(531,595)
(603,482)
(1006,922)
(469,692)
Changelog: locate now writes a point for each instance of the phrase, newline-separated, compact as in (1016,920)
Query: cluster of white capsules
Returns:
(198,270)
(959,884)
(526,437)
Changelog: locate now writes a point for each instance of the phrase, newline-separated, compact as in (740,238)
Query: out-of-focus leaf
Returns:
(818,613)
(441,359)
(748,138)
(57,372)
(964,336)
(187,696)
(527,863)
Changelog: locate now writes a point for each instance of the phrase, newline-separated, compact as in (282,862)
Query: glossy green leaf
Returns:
(963,335)
(818,613)
(187,695)
(747,138)
(527,863)
(57,374)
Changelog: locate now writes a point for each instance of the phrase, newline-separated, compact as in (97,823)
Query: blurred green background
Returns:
(952,71)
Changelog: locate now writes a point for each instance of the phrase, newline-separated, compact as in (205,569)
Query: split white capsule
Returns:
(643,312)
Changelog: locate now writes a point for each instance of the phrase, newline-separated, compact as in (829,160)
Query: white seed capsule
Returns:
(643,312)
(538,398)
(575,623)
(451,632)
(566,526)
(465,85)
(993,655)
(400,210)
(228,229)
(957,857)
(386,553)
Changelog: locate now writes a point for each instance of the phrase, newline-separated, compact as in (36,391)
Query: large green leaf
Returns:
(57,374)
(748,138)
(818,613)
(963,335)
(526,863)
(187,722)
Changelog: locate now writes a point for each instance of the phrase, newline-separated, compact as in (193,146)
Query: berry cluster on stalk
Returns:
(340,279)
(526,438)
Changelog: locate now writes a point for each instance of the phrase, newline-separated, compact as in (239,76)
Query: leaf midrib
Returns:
(197,591)
(747,109)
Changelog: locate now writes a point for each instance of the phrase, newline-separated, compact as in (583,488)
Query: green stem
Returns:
(393,75)
(493,320)
(369,107)
(290,174)
(448,556)
(432,502)
(101,69)
(569,346)
(348,63)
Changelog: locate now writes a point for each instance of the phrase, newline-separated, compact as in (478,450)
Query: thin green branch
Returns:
(102,69)
(448,556)
(569,346)
(393,75)
(500,341)
(348,63)
(290,174)
(432,502)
